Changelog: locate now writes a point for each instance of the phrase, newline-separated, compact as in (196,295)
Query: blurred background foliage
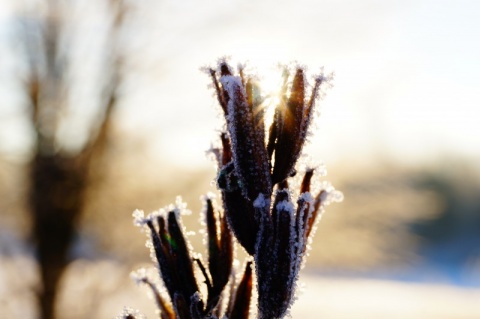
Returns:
(391,217)
(411,210)
(393,220)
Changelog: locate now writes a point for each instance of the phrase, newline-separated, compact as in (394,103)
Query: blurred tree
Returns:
(62,164)
(451,237)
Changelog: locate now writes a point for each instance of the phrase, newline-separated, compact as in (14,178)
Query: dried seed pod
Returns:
(240,215)
(292,120)
(241,304)
(162,255)
(247,140)
(182,261)
(288,143)
(220,254)
(274,267)
(173,258)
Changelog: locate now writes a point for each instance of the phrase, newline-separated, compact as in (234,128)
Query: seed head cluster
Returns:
(255,168)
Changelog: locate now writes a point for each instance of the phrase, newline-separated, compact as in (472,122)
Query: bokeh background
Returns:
(123,104)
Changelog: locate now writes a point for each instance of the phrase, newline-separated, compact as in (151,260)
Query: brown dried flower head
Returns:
(254,169)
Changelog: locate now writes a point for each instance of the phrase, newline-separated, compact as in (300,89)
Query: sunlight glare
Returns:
(263,61)
(270,85)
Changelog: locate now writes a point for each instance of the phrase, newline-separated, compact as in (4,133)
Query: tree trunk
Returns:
(57,195)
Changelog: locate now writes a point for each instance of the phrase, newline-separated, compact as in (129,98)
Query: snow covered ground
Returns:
(100,289)
(363,298)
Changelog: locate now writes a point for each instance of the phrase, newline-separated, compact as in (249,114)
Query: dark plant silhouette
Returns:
(59,177)
(254,173)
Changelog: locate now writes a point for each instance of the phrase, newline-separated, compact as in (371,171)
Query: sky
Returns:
(406,81)
(406,85)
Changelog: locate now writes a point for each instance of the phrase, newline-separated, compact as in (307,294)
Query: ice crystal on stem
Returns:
(129,313)
(254,172)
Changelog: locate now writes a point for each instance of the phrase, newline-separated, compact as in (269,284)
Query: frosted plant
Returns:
(172,255)
(254,172)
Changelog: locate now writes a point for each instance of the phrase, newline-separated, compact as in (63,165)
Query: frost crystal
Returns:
(139,218)
(285,205)
(231,84)
(130,313)
(260,201)
(142,275)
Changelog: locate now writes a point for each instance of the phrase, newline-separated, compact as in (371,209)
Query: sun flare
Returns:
(270,86)
(264,62)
